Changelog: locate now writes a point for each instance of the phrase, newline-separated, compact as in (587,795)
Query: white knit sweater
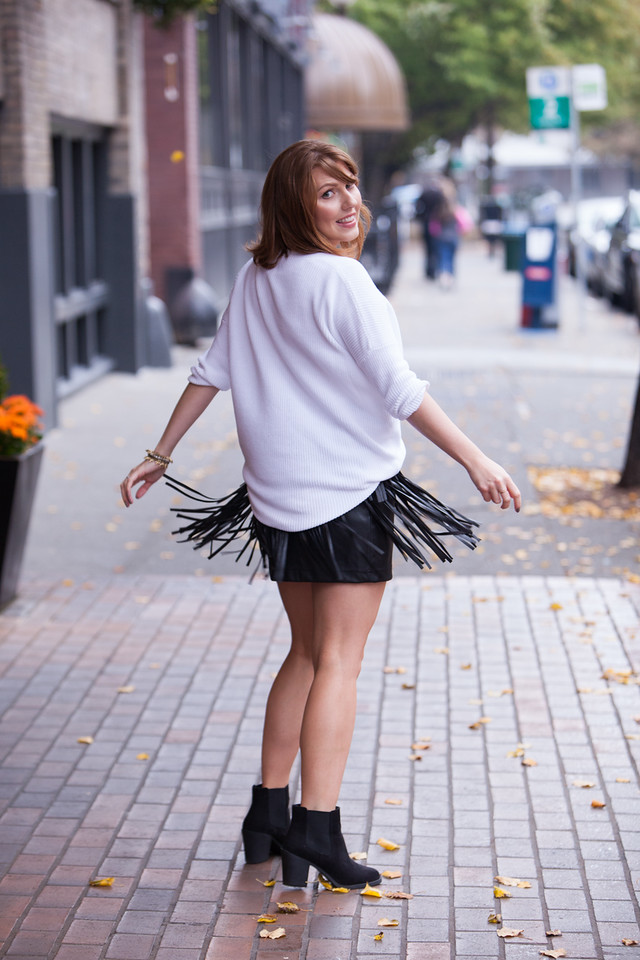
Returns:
(311,351)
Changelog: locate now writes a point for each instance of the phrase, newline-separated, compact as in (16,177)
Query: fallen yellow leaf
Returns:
(359,855)
(392,801)
(466,666)
(267,918)
(598,804)
(518,752)
(385,922)
(553,953)
(553,933)
(128,689)
(585,784)
(500,894)
(339,889)
(513,882)
(391,874)
(102,882)
(266,883)
(529,762)
(88,740)
(273,934)
(408,686)
(370,892)
(629,943)
(623,780)
(288,907)
(479,722)
(509,932)
(387,844)
(397,895)
(444,650)
(142,756)
(421,745)
(379,936)
(494,917)
(555,606)
(415,756)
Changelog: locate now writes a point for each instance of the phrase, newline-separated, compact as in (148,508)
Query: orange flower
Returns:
(20,425)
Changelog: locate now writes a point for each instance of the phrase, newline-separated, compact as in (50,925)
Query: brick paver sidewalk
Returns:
(169,677)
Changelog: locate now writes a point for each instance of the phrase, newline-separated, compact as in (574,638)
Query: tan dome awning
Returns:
(352,80)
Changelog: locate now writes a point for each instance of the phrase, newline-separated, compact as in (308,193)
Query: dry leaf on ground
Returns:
(554,933)
(267,918)
(500,894)
(142,756)
(393,801)
(477,725)
(266,883)
(494,917)
(553,953)
(358,855)
(87,740)
(385,922)
(128,689)
(370,892)
(408,686)
(387,844)
(102,882)
(585,784)
(379,936)
(598,804)
(273,934)
(529,762)
(391,874)
(623,780)
(630,943)
(288,907)
(396,894)
(509,932)
(513,882)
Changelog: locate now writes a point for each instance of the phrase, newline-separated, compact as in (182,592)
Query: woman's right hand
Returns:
(146,473)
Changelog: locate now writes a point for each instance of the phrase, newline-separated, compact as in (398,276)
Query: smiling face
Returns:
(338,205)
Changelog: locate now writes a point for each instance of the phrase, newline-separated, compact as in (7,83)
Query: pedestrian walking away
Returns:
(311,352)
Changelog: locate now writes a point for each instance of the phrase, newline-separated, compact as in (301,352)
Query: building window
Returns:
(81,295)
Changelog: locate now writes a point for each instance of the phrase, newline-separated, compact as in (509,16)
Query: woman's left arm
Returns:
(493,482)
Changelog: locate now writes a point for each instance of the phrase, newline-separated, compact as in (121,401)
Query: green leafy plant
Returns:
(165,11)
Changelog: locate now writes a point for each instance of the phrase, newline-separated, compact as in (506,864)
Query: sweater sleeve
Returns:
(212,368)
(367,325)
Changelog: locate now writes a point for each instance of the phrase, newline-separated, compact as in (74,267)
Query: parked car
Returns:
(589,237)
(621,264)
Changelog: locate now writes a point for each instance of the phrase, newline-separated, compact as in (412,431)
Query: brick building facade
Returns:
(72,193)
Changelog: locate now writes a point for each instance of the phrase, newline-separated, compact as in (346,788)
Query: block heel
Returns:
(295,870)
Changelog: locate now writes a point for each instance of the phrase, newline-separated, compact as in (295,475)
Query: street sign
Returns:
(549,92)
(589,86)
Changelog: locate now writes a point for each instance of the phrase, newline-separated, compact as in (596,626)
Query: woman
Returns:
(445,229)
(311,352)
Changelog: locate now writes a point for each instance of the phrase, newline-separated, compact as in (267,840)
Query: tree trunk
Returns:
(631,471)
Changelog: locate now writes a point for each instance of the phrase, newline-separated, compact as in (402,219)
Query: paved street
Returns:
(499,706)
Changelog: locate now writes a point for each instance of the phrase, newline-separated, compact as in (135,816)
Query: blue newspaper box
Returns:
(539,277)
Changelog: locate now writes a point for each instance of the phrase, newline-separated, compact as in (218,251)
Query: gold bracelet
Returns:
(154,457)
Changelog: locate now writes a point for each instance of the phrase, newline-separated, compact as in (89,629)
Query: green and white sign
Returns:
(549,92)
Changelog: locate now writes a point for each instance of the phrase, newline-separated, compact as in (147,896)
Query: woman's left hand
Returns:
(495,484)
(145,473)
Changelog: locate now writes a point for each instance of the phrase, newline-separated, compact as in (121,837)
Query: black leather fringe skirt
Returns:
(354,548)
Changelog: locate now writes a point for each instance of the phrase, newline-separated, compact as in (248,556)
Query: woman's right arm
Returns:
(193,402)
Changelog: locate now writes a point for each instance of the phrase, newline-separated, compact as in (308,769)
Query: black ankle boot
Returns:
(266,823)
(315,839)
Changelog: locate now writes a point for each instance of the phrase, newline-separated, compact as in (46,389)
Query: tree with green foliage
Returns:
(465,60)
(165,11)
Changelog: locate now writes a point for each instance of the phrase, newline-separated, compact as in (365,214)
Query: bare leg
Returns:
(343,614)
(288,696)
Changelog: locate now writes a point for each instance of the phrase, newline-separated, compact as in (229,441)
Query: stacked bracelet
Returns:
(154,457)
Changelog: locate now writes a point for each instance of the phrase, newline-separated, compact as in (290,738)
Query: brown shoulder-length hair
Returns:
(288,204)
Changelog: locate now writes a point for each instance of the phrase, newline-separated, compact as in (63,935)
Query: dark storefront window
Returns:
(81,294)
